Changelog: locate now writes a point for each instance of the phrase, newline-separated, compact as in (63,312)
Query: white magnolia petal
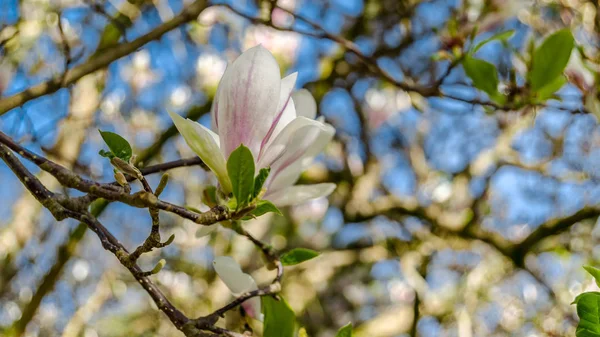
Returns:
(238,282)
(298,194)
(206,145)
(205,230)
(287,86)
(232,275)
(305,104)
(214,109)
(287,177)
(288,115)
(323,139)
(279,144)
(253,308)
(304,142)
(286,111)
(286,173)
(248,100)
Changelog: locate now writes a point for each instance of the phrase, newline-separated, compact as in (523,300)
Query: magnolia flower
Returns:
(255,107)
(238,283)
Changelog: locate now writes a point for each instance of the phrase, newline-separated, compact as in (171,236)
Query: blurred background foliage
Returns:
(453,216)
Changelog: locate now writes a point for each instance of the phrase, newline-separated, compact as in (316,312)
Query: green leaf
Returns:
(110,36)
(502,36)
(345,331)
(106,154)
(119,147)
(240,167)
(263,207)
(549,89)
(259,181)
(280,320)
(595,272)
(209,196)
(483,74)
(550,59)
(298,255)
(588,310)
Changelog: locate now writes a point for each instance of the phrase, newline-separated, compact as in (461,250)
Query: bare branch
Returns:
(102,60)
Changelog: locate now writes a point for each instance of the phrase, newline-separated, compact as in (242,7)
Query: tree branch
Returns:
(102,60)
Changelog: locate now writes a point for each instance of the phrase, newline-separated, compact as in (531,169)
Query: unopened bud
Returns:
(120,178)
(159,266)
(124,167)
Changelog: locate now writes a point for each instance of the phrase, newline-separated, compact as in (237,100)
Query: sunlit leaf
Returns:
(240,167)
(483,74)
(259,181)
(588,310)
(502,36)
(550,59)
(595,272)
(263,207)
(280,320)
(345,331)
(118,145)
(549,89)
(298,255)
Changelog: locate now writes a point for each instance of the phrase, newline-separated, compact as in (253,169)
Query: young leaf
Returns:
(209,196)
(595,272)
(502,36)
(240,167)
(280,320)
(483,74)
(263,207)
(549,89)
(302,333)
(119,147)
(106,154)
(588,310)
(345,331)
(298,255)
(259,181)
(550,59)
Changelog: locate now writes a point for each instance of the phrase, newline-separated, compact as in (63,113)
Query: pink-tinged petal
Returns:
(300,139)
(287,169)
(285,110)
(205,144)
(305,104)
(238,283)
(214,108)
(248,100)
(288,176)
(252,307)
(276,147)
(298,194)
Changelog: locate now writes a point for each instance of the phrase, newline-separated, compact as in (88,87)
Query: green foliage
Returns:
(240,167)
(550,59)
(110,36)
(484,76)
(262,207)
(280,320)
(298,255)
(209,196)
(345,331)
(119,146)
(548,90)
(595,272)
(502,36)
(259,181)
(588,310)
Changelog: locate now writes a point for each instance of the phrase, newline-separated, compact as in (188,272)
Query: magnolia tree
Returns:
(299,168)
